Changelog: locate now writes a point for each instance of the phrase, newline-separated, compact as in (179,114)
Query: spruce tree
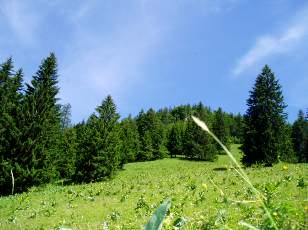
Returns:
(65,153)
(182,112)
(197,144)
(149,123)
(10,128)
(236,127)
(130,140)
(99,145)
(300,137)
(146,150)
(40,127)
(220,128)
(175,139)
(265,138)
(157,133)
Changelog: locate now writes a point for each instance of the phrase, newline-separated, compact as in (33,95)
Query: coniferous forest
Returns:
(39,144)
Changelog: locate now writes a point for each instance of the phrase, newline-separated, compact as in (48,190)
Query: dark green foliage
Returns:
(99,144)
(176,138)
(220,129)
(165,116)
(130,140)
(39,143)
(203,113)
(10,111)
(34,121)
(300,137)
(65,153)
(181,112)
(41,123)
(146,150)
(265,138)
(287,153)
(236,127)
(152,133)
(197,144)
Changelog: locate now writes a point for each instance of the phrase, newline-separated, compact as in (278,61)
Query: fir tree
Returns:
(10,127)
(150,123)
(99,146)
(130,140)
(63,154)
(41,122)
(197,144)
(158,136)
(175,139)
(265,129)
(182,112)
(300,137)
(146,151)
(220,128)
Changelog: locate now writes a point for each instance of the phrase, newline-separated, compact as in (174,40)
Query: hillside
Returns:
(205,194)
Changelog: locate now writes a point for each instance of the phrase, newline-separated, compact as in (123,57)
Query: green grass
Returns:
(203,194)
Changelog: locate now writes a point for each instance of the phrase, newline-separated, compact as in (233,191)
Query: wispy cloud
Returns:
(108,61)
(22,21)
(269,45)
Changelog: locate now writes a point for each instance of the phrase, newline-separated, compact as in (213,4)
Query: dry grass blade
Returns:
(240,171)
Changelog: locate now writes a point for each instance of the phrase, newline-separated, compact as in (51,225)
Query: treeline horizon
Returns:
(39,144)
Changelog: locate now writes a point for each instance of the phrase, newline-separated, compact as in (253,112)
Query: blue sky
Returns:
(157,53)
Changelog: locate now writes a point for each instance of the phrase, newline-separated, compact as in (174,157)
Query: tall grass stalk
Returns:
(239,169)
(13,181)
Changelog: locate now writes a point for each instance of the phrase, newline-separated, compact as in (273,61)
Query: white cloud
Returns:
(22,21)
(109,62)
(102,62)
(270,45)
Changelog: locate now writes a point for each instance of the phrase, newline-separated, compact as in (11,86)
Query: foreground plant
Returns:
(156,221)
(241,172)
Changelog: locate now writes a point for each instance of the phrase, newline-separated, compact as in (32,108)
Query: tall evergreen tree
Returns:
(65,152)
(130,140)
(149,123)
(165,116)
(176,138)
(197,144)
(265,122)
(146,150)
(10,129)
(41,123)
(157,133)
(181,112)
(300,137)
(99,147)
(220,128)
(236,127)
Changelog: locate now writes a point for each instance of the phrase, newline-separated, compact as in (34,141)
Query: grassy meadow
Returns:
(205,195)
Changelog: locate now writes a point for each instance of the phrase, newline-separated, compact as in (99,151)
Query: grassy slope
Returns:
(128,201)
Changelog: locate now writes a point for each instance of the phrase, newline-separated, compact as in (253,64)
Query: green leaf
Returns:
(156,221)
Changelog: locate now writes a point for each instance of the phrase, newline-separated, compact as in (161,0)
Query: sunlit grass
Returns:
(129,200)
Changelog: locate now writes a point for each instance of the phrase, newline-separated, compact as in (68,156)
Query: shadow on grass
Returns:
(191,159)
(220,169)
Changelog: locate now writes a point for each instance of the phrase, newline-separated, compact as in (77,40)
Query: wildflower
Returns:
(275,213)
(285,167)
(204,185)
